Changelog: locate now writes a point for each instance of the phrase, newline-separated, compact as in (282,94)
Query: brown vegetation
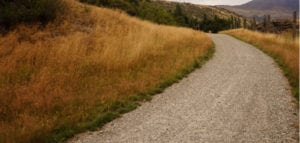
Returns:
(282,48)
(57,80)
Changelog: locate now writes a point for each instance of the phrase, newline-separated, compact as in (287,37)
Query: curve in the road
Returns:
(239,96)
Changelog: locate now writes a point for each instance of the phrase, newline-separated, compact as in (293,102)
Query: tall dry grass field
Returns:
(77,71)
(282,48)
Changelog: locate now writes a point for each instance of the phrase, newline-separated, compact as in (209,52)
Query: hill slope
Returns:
(198,11)
(84,69)
(278,9)
(172,13)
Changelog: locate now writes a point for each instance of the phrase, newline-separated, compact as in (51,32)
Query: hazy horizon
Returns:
(214,2)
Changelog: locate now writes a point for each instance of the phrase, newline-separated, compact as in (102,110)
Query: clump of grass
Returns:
(86,70)
(282,48)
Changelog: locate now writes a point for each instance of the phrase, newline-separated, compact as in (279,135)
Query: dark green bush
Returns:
(13,12)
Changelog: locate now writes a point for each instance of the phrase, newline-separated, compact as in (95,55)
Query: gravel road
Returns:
(239,96)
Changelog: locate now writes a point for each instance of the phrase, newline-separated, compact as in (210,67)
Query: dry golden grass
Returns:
(57,79)
(282,48)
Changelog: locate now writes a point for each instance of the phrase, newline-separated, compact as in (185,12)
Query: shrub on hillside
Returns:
(28,11)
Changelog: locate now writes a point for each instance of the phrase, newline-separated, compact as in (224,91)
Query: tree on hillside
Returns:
(178,10)
(180,18)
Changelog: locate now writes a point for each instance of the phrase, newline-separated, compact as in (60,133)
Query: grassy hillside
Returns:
(144,9)
(282,48)
(85,68)
(205,18)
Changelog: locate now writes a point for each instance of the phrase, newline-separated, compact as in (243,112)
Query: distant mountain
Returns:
(278,9)
(271,4)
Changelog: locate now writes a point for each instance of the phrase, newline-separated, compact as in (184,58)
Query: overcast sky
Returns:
(214,2)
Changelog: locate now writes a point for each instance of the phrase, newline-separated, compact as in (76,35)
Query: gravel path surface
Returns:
(239,96)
